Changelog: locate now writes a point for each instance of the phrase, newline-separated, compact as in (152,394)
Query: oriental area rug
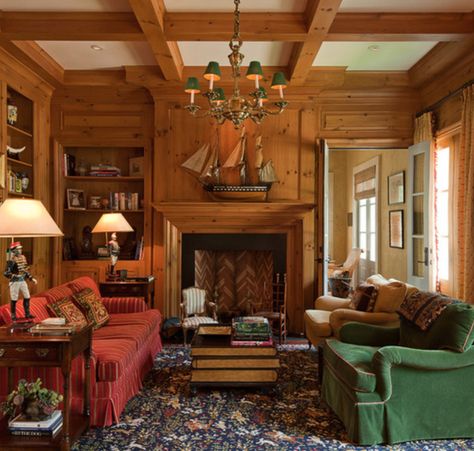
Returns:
(168,415)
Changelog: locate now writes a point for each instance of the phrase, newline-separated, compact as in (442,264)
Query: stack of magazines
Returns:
(251,331)
(50,427)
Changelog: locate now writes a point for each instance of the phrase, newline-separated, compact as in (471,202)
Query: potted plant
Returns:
(33,401)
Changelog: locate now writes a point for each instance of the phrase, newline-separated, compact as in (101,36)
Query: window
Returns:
(366,231)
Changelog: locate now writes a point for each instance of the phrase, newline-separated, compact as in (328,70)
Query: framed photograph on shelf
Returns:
(76,199)
(136,167)
(395,220)
(396,188)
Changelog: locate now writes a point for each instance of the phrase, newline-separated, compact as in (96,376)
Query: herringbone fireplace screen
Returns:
(236,280)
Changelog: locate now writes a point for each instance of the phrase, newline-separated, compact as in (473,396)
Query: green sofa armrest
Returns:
(420,359)
(369,334)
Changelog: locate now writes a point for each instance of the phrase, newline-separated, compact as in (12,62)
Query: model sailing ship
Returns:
(205,165)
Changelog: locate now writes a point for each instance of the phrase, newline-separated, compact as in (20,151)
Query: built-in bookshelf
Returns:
(96,180)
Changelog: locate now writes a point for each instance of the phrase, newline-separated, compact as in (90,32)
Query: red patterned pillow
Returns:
(65,308)
(95,310)
(364,297)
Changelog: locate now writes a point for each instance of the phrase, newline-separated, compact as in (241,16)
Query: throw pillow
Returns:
(453,329)
(95,310)
(390,297)
(65,308)
(364,297)
(377,280)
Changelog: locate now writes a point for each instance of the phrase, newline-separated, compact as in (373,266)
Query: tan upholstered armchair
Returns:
(196,310)
(331,313)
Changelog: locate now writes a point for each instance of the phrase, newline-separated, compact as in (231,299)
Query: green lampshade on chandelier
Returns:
(237,108)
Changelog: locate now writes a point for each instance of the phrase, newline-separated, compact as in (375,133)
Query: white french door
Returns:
(419,252)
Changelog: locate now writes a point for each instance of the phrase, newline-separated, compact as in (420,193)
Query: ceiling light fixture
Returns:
(238,108)
(374,48)
(96,47)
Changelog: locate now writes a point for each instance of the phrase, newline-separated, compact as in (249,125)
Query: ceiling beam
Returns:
(70,26)
(35,58)
(401,27)
(150,15)
(290,27)
(320,15)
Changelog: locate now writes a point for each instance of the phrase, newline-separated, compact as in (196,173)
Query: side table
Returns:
(23,349)
(129,288)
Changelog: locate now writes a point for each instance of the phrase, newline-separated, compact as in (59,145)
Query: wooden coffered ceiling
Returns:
(306,26)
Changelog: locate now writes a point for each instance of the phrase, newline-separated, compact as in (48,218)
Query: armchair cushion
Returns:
(330,303)
(193,322)
(317,323)
(453,329)
(390,297)
(352,363)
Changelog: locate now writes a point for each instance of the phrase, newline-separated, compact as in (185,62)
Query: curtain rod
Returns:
(443,99)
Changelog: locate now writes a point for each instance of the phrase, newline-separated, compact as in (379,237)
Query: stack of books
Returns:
(124,201)
(50,427)
(104,170)
(52,329)
(251,331)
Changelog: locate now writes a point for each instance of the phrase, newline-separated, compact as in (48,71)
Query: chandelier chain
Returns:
(236,35)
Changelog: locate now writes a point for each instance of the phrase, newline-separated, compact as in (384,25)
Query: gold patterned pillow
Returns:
(95,310)
(65,308)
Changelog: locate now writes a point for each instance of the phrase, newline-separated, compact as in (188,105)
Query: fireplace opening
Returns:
(236,270)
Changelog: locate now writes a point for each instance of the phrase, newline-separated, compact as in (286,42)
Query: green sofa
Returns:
(390,385)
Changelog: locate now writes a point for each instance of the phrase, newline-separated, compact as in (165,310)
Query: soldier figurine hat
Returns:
(15,245)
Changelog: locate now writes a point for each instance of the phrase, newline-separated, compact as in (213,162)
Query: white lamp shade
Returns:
(26,218)
(112,222)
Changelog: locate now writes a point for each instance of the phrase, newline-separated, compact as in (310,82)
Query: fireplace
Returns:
(236,270)
(290,224)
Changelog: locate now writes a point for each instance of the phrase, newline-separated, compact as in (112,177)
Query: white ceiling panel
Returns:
(64,5)
(372,55)
(228,5)
(268,53)
(73,55)
(360,6)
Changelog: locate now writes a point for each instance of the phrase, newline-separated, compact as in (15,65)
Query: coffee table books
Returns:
(49,427)
(215,362)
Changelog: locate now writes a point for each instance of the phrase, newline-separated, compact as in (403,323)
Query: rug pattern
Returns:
(168,415)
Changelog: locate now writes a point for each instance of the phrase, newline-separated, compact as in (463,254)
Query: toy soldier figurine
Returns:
(114,250)
(17,273)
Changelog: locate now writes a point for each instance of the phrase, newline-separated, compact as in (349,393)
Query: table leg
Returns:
(10,379)
(66,444)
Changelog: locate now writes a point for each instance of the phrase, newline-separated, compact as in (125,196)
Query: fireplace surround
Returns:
(176,220)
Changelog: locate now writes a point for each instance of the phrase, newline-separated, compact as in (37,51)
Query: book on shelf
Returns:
(139,251)
(22,422)
(124,201)
(69,164)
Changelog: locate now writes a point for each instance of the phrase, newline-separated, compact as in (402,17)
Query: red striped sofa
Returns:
(122,352)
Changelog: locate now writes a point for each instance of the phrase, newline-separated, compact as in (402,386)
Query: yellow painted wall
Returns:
(391,262)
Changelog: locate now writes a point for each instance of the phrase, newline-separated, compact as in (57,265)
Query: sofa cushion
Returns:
(82,283)
(113,356)
(352,363)
(37,309)
(390,297)
(66,308)
(453,329)
(56,293)
(94,309)
(151,319)
(138,333)
(364,297)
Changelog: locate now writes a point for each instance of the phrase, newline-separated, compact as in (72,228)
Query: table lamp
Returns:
(23,218)
(112,222)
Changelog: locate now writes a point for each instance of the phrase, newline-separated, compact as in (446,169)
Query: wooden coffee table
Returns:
(216,363)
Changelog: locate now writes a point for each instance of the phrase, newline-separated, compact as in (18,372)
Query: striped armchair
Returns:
(196,310)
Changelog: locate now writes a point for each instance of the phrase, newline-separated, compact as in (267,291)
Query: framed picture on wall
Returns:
(396,188)
(76,199)
(395,221)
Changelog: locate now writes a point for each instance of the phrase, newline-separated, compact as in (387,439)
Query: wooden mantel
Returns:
(285,217)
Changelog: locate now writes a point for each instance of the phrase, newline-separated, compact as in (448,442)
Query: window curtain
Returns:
(464,166)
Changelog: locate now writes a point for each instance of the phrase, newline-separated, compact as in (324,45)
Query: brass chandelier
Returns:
(238,108)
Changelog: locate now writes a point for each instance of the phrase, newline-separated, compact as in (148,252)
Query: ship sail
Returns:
(237,157)
(267,173)
(208,169)
(195,163)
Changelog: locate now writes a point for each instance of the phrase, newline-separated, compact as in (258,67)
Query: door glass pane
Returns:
(418,257)
(443,255)
(372,247)
(363,245)
(418,173)
(372,217)
(418,225)
(363,218)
